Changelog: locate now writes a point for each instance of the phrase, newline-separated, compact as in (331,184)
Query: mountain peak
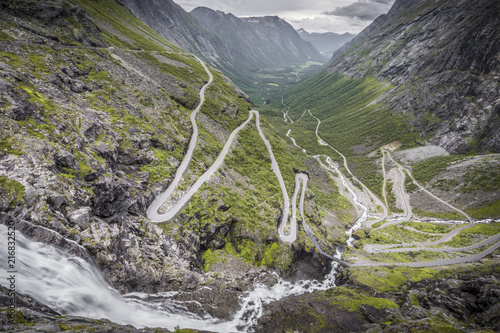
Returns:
(267,40)
(202,10)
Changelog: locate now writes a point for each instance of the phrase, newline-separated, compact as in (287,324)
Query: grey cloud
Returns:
(257,7)
(366,10)
(347,19)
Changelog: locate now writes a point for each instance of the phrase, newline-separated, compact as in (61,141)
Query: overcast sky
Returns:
(313,15)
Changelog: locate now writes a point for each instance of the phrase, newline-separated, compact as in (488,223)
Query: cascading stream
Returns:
(72,286)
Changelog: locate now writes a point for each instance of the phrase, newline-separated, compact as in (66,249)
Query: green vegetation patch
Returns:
(472,235)
(38,98)
(395,234)
(6,37)
(345,108)
(352,300)
(126,30)
(221,98)
(378,224)
(481,177)
(453,215)
(209,258)
(410,186)
(15,190)
(333,200)
(182,71)
(384,279)
(434,228)
(367,170)
(6,148)
(425,170)
(349,119)
(160,169)
(486,211)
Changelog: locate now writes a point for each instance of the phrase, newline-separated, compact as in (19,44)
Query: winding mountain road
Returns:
(301,183)
(412,246)
(152,211)
(424,245)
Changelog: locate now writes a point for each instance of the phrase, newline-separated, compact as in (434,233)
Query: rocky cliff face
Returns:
(177,26)
(94,122)
(443,59)
(87,109)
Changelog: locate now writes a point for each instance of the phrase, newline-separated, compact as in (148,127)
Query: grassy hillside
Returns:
(352,120)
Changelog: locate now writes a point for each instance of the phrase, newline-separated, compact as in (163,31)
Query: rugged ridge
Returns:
(172,22)
(442,58)
(267,41)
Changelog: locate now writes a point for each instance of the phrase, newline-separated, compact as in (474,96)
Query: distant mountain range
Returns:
(236,46)
(326,43)
(264,41)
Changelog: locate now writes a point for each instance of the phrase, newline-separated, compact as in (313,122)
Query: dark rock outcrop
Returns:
(56,13)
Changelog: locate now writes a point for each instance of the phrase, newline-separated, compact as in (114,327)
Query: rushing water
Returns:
(73,286)
(364,215)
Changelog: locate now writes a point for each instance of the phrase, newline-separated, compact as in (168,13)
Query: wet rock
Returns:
(219,302)
(55,200)
(295,313)
(104,196)
(5,85)
(90,177)
(133,159)
(4,200)
(22,112)
(267,279)
(31,196)
(93,131)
